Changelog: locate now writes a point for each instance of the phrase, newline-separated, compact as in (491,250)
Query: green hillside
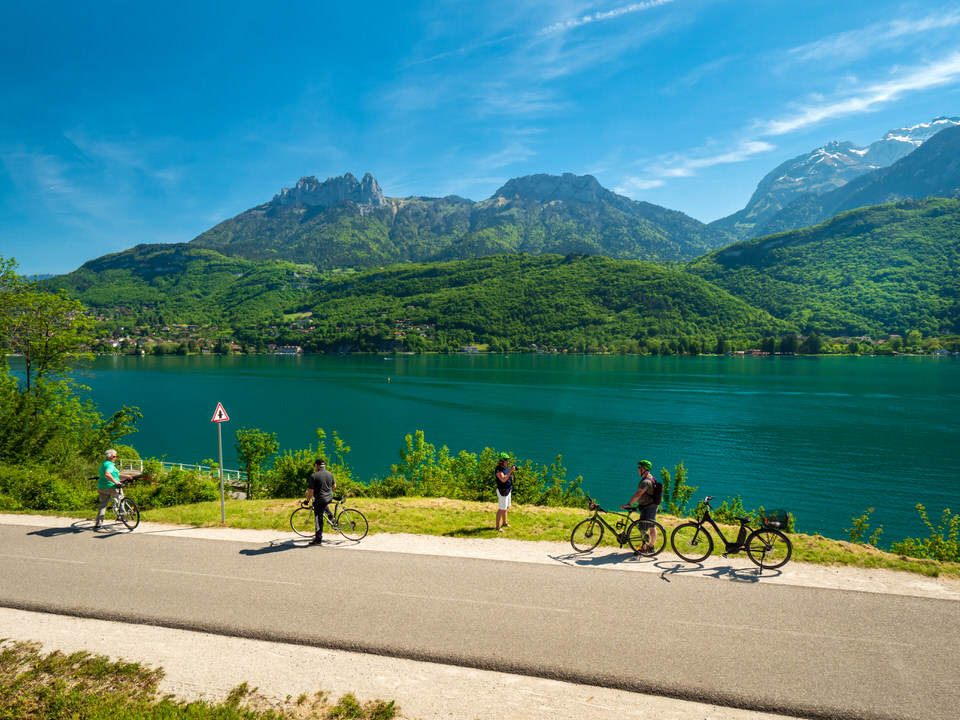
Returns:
(513,301)
(884,269)
(507,302)
(166,284)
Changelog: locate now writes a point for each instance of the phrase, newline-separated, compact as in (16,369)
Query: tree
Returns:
(49,330)
(42,418)
(253,447)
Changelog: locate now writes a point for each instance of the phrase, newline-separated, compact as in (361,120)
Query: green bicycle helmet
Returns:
(504,456)
(645,464)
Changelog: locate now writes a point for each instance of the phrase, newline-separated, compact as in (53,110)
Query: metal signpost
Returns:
(220,416)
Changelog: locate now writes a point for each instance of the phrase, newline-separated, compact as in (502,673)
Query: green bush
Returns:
(424,471)
(36,488)
(176,487)
(291,470)
(943,544)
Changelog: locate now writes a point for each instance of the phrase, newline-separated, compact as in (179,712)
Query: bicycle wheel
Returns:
(303,523)
(769,548)
(639,534)
(353,525)
(129,513)
(586,535)
(691,542)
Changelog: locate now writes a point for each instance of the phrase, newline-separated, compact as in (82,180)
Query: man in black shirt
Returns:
(320,489)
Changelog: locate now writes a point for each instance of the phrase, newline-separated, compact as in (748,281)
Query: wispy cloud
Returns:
(515,152)
(675,166)
(665,168)
(853,99)
(859,100)
(858,43)
(601,16)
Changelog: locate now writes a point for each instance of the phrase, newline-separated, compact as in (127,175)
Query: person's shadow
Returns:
(78,527)
(273,547)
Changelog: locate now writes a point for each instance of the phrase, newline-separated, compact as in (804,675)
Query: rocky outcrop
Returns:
(549,188)
(313,193)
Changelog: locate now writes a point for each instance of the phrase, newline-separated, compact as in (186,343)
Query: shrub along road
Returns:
(749,642)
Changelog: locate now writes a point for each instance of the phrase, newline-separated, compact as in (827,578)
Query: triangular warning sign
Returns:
(220,415)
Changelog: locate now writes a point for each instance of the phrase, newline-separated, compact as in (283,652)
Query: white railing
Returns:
(229,476)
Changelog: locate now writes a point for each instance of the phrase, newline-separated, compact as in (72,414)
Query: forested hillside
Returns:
(886,269)
(164,284)
(507,302)
(512,301)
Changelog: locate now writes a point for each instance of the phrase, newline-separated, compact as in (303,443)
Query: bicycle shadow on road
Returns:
(83,526)
(751,575)
(608,558)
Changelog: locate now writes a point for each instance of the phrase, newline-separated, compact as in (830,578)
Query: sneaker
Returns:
(316,542)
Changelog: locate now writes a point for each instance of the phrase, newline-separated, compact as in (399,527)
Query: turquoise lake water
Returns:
(825,438)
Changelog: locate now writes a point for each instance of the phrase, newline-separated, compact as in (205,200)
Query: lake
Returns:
(823,437)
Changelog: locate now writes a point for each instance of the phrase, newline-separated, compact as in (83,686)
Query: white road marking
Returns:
(227,577)
(48,559)
(475,602)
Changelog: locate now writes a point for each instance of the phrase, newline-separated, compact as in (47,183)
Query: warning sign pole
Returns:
(220,416)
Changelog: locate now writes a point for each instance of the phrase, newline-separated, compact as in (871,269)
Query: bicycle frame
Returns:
(730,547)
(622,525)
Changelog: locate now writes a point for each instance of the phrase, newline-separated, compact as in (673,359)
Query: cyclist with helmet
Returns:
(643,497)
(504,478)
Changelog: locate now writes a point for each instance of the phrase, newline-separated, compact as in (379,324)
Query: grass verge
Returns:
(81,686)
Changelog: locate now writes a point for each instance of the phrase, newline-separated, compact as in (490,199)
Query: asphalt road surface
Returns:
(809,652)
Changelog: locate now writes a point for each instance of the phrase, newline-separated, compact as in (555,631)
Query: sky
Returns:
(126,123)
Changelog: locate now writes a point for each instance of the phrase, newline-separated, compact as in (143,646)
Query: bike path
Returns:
(723,637)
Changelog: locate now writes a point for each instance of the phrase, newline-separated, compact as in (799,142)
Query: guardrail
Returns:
(231,477)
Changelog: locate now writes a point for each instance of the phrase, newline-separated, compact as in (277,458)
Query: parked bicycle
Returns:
(123,507)
(766,545)
(588,533)
(349,522)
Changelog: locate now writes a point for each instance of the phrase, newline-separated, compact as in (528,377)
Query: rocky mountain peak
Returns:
(311,192)
(547,188)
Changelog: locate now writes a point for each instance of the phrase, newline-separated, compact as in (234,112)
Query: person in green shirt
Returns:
(108,486)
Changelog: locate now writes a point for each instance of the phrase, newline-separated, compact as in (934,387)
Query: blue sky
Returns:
(127,123)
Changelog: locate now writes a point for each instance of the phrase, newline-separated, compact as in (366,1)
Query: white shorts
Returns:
(503,502)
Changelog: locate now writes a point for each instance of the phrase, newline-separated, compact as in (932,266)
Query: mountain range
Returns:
(320,249)
(823,170)
(342,222)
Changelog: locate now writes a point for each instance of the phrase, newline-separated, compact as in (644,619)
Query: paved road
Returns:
(805,651)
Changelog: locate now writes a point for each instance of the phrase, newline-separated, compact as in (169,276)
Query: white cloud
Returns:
(943,72)
(572,23)
(516,152)
(858,43)
(688,165)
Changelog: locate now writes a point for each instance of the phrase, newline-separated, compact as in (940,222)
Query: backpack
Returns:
(657,495)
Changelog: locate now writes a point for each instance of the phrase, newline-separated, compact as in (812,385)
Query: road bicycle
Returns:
(766,545)
(588,533)
(123,507)
(349,522)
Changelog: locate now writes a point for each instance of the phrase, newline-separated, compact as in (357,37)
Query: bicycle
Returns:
(123,507)
(349,522)
(588,533)
(767,546)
